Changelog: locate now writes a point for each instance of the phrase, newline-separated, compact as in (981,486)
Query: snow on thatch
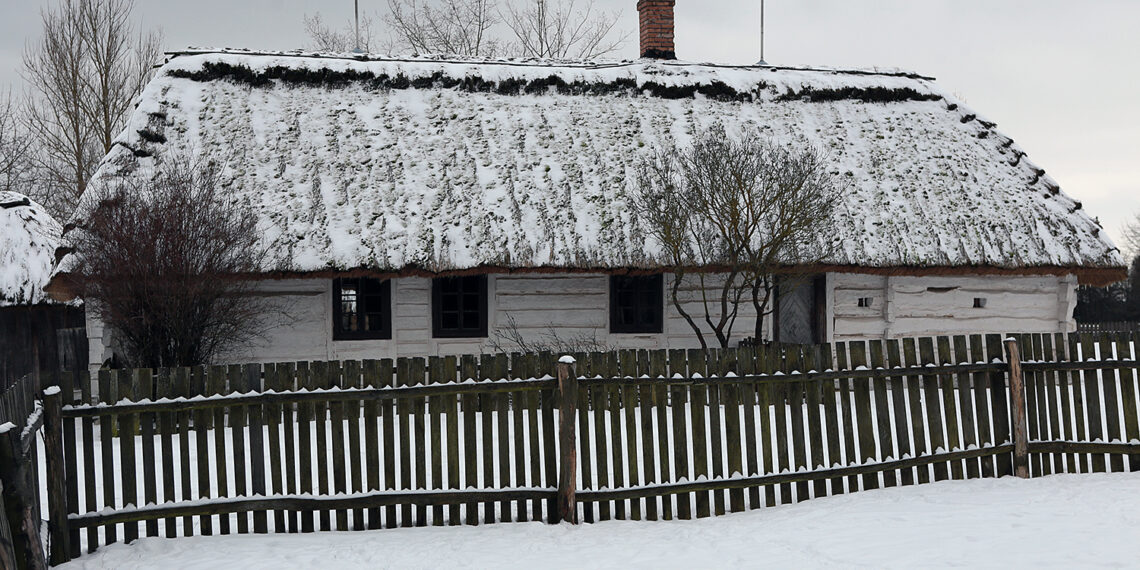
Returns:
(442,165)
(28,240)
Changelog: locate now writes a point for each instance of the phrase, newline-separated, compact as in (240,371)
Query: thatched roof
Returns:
(435,165)
(29,237)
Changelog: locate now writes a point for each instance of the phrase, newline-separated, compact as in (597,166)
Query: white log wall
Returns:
(571,306)
(920,306)
(577,306)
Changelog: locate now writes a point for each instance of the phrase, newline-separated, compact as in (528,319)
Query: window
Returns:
(459,307)
(362,308)
(866,302)
(636,304)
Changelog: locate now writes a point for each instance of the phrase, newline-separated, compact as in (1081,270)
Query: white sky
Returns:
(1059,76)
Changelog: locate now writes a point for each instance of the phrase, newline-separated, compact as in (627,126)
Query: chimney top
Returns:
(657,28)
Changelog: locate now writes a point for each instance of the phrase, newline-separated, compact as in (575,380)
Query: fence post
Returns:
(1017,398)
(58,527)
(567,441)
(7,544)
(19,501)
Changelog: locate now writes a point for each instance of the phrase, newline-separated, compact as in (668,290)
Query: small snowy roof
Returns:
(28,239)
(441,165)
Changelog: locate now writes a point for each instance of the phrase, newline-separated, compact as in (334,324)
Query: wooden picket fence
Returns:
(652,435)
(20,422)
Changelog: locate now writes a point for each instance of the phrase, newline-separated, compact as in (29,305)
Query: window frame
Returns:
(437,328)
(658,286)
(385,330)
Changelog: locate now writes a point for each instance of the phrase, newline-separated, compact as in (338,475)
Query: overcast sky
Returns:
(1061,77)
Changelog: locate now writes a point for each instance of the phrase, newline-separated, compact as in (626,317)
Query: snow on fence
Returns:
(300,447)
(20,421)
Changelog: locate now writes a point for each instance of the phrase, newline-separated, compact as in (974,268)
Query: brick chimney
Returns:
(656,28)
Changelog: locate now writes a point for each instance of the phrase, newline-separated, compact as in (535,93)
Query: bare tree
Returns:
(456,27)
(562,29)
(160,259)
(15,154)
(511,338)
(749,208)
(83,73)
(324,37)
(1131,231)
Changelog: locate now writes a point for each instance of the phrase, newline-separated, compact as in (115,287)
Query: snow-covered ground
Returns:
(1060,521)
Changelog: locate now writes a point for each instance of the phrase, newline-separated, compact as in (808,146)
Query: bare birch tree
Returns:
(324,37)
(15,153)
(1131,231)
(83,73)
(161,259)
(562,29)
(456,27)
(749,208)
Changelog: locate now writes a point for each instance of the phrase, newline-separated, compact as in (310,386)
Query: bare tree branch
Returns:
(1131,231)
(455,27)
(749,207)
(161,260)
(562,29)
(15,152)
(324,37)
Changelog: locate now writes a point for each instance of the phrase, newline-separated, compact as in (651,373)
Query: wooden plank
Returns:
(436,438)
(746,396)
(165,421)
(1110,391)
(698,406)
(503,433)
(237,431)
(644,399)
(546,361)
(305,458)
(337,448)
(734,438)
(898,405)
(616,436)
(272,420)
(882,410)
(1018,415)
(450,370)
(779,396)
(1030,346)
(486,408)
(917,414)
(828,396)
(865,421)
(518,436)
(1052,403)
(627,397)
(287,380)
(1078,403)
(796,396)
(216,385)
(70,449)
(965,391)
(999,405)
(87,425)
(659,368)
(1092,402)
(108,394)
(678,364)
(717,366)
(983,410)
(404,424)
(143,381)
(469,370)
(419,420)
(599,400)
(933,403)
(764,405)
(1128,347)
(585,436)
(388,422)
(370,414)
(1064,387)
(256,416)
(356,451)
(568,464)
(847,412)
(950,407)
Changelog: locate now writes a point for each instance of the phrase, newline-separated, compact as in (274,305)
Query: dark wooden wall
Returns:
(54,335)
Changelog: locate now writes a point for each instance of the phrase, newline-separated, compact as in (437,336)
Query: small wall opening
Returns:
(979,302)
(866,302)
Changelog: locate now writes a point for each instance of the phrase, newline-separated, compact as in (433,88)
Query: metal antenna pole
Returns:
(762,62)
(356,10)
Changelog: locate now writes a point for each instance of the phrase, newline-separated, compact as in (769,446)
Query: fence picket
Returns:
(946,389)
(1127,349)
(917,412)
(1108,382)
(1055,461)
(933,403)
(678,364)
(847,408)
(1030,346)
(468,370)
(866,425)
(882,411)
(644,397)
(451,417)
(352,411)
(627,397)
(658,365)
(306,380)
(747,391)
(1091,383)
(898,405)
(965,391)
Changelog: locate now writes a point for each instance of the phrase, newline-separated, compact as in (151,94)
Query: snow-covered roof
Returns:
(29,237)
(442,165)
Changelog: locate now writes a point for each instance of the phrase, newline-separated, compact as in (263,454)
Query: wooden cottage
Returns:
(36,333)
(426,206)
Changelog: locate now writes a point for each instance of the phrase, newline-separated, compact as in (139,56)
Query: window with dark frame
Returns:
(459,307)
(362,308)
(636,303)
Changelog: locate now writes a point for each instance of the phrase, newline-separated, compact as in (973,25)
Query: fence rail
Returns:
(650,435)
(1119,326)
